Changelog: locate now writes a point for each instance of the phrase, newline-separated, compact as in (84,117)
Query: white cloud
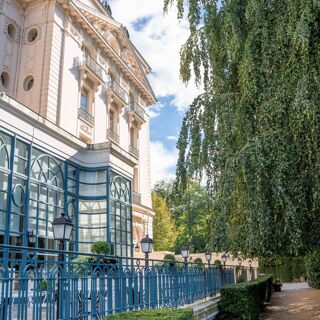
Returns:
(163,162)
(159,39)
(172,138)
(154,111)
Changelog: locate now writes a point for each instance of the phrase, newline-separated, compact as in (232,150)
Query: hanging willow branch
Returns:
(254,134)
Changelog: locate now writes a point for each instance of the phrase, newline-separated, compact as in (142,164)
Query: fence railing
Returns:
(133,150)
(84,115)
(118,90)
(91,64)
(136,197)
(113,136)
(137,109)
(35,285)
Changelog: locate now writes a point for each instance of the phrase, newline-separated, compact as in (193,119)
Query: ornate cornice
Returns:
(74,11)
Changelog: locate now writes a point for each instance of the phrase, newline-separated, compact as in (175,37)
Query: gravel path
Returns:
(295,302)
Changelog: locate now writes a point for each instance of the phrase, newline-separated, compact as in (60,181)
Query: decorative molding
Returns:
(37,26)
(18,29)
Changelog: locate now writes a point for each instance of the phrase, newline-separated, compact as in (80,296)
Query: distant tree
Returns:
(190,211)
(164,229)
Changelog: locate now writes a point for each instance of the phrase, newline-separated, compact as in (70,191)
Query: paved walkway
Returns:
(296,301)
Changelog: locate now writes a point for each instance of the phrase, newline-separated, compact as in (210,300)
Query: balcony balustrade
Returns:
(119,92)
(84,115)
(113,136)
(136,198)
(87,62)
(133,150)
(138,111)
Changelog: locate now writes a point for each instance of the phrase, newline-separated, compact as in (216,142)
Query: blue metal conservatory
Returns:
(36,186)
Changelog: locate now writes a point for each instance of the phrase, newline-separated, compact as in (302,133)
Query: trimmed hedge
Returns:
(155,314)
(312,262)
(245,300)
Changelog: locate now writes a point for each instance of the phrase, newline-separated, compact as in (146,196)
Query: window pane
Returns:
(84,100)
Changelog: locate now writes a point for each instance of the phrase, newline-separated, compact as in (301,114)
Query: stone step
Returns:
(206,309)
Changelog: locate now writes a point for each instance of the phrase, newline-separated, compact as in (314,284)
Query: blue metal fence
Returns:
(34,284)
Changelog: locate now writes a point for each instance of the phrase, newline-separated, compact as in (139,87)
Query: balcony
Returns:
(136,198)
(113,136)
(137,112)
(134,151)
(117,91)
(84,115)
(87,64)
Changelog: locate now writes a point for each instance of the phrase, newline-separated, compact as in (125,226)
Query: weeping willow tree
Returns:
(254,133)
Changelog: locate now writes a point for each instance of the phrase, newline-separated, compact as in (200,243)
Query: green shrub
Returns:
(101,247)
(286,269)
(245,300)
(169,256)
(155,314)
(312,263)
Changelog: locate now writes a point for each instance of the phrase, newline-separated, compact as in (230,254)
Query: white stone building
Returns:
(74,125)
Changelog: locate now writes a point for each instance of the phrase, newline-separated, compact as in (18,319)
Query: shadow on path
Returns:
(296,302)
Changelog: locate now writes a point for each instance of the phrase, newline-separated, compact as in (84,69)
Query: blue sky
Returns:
(159,38)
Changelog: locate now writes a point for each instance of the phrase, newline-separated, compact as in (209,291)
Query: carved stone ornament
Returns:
(86,129)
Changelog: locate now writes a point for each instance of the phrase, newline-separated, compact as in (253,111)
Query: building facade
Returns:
(74,126)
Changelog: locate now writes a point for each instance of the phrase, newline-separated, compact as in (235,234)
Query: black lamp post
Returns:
(136,248)
(147,247)
(62,227)
(250,268)
(208,256)
(185,253)
(31,237)
(224,259)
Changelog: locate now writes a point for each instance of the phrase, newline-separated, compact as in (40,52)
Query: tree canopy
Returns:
(254,133)
(164,229)
(190,214)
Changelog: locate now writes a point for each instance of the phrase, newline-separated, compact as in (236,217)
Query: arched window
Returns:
(47,170)
(46,196)
(4,154)
(119,189)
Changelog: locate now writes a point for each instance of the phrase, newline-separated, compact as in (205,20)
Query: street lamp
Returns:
(239,261)
(224,259)
(185,253)
(62,227)
(136,248)
(147,247)
(31,237)
(250,263)
(250,268)
(208,256)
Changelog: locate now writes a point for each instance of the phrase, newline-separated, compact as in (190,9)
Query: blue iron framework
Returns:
(92,287)
(36,186)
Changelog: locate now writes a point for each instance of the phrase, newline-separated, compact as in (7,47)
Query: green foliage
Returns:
(254,133)
(156,314)
(190,212)
(217,264)
(312,262)
(286,269)
(169,256)
(101,247)
(245,300)
(199,263)
(164,229)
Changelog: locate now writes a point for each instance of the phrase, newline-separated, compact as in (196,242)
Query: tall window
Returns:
(111,121)
(84,103)
(46,196)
